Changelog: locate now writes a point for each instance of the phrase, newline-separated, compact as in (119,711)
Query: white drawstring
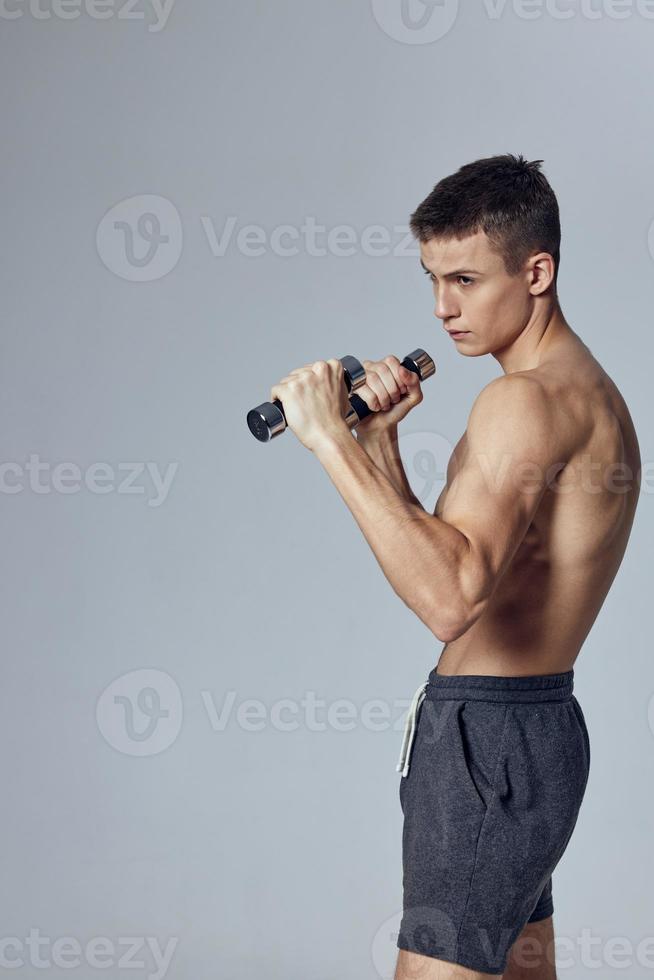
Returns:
(410,729)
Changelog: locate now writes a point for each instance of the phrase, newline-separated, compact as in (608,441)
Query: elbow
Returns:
(447,634)
(449,630)
(471,586)
(468,602)
(445,624)
(448,625)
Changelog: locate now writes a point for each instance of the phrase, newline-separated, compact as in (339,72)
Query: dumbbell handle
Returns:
(267,420)
(417,361)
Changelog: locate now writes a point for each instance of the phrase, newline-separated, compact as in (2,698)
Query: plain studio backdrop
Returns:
(205,671)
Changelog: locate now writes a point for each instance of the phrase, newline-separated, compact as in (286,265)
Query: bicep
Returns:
(493,512)
(453,464)
(510,458)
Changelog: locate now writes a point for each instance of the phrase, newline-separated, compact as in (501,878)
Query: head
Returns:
(490,239)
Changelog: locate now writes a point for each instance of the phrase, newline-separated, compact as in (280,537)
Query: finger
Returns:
(404,375)
(383,375)
(285,387)
(411,378)
(388,370)
(378,389)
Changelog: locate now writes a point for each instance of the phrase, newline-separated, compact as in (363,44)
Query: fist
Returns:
(315,401)
(391,391)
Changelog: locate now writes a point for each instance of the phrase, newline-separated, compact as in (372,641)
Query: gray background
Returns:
(274,852)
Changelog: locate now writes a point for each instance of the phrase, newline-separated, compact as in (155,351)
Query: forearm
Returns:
(383,450)
(420,555)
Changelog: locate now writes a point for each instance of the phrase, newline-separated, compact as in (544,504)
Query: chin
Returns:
(476,351)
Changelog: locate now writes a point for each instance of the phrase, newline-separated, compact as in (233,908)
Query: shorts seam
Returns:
(481,826)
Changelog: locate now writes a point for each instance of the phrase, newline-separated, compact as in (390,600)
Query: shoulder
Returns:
(518,399)
(517,413)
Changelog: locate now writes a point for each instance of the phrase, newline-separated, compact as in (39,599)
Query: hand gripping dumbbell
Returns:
(267,420)
(417,361)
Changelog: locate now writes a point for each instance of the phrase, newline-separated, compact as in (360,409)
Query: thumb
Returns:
(412,382)
(409,377)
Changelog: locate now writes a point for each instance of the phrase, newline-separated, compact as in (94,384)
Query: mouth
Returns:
(458,333)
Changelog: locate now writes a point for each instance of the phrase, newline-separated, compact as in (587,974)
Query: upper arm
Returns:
(513,451)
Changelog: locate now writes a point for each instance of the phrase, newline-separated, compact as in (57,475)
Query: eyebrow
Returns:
(457,272)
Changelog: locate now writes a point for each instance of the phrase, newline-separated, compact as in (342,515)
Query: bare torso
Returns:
(548,599)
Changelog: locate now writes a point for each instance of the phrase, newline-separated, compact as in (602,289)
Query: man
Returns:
(510,571)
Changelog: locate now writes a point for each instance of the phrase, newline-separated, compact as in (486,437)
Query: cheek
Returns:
(486,311)
(505,311)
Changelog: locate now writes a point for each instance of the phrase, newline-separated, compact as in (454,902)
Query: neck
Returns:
(545,328)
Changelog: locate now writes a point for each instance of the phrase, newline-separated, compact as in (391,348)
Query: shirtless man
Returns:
(510,571)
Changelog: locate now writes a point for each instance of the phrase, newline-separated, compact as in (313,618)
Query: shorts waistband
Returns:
(491,687)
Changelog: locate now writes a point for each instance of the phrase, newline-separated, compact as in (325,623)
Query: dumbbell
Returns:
(417,361)
(267,420)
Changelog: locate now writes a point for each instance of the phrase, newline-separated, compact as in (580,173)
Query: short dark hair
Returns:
(505,196)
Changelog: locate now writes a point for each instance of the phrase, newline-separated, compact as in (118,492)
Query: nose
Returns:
(445,307)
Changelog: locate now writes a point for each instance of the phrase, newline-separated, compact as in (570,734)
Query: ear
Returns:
(540,272)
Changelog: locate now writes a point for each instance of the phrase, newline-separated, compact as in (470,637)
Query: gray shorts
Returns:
(494,773)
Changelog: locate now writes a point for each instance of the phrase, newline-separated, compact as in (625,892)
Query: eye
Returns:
(468,281)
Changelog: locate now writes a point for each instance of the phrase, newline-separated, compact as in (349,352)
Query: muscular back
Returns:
(547,600)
